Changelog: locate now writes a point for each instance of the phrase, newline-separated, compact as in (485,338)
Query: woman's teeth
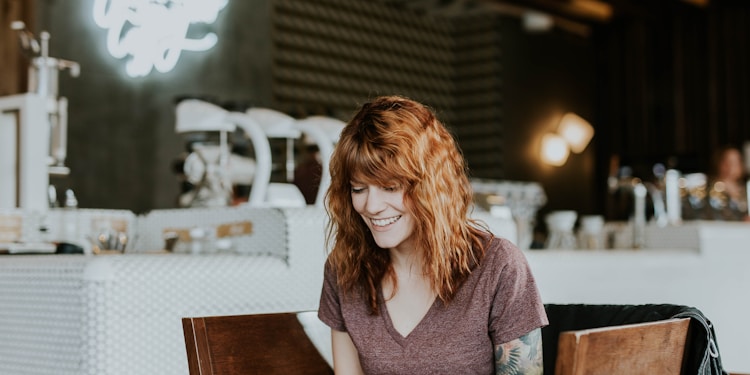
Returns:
(384,222)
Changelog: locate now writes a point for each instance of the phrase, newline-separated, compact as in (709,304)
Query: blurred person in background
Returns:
(727,182)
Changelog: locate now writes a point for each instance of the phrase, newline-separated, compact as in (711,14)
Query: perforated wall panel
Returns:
(331,55)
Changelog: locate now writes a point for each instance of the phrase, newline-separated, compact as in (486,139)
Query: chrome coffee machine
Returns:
(33,127)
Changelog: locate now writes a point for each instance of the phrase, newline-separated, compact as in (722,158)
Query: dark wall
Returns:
(122,141)
(546,75)
(662,81)
(673,84)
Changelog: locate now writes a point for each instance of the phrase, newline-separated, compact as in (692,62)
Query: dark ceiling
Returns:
(584,11)
(576,16)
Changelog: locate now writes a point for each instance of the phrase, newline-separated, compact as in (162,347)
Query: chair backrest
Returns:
(251,344)
(644,348)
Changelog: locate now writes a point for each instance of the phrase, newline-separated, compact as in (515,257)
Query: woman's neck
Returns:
(406,261)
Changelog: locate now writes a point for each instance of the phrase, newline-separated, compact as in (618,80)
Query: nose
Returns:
(375,202)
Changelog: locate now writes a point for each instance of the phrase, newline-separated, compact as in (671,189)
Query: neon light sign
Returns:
(154,32)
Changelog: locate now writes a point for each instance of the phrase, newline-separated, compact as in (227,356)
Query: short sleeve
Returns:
(329,309)
(517,307)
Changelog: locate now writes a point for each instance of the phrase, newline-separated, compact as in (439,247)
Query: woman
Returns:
(412,285)
(727,194)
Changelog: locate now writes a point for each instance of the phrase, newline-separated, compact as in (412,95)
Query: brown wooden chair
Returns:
(644,348)
(265,344)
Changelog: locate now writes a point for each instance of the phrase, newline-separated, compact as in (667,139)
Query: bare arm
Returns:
(345,356)
(520,356)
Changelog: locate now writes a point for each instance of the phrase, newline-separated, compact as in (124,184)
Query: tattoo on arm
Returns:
(520,356)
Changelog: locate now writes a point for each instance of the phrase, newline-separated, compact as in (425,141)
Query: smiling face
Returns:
(385,214)
(394,142)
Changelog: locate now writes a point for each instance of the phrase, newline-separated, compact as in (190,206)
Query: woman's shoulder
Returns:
(502,250)
(495,243)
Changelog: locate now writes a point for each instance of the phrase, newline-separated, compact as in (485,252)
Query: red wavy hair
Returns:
(397,141)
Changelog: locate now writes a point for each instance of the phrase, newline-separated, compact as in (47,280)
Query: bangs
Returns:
(370,164)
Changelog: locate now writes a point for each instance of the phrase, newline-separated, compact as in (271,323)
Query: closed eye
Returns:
(357,190)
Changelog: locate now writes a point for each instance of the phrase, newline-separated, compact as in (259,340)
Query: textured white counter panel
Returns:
(121,314)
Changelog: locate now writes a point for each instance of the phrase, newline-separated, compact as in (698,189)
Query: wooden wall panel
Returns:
(12,64)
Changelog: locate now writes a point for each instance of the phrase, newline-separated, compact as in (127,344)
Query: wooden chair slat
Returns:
(251,344)
(645,348)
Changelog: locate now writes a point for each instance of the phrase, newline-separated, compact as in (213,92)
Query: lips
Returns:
(385,222)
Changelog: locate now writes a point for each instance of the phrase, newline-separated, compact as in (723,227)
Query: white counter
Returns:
(120,314)
(711,275)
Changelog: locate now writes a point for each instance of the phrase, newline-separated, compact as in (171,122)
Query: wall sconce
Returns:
(554,149)
(577,131)
(573,134)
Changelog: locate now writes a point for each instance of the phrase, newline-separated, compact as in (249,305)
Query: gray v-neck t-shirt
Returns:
(498,303)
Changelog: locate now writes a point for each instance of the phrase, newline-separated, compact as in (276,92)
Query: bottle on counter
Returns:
(69,217)
(672,197)
(591,233)
(70,229)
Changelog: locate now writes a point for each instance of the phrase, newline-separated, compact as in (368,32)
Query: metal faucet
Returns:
(640,190)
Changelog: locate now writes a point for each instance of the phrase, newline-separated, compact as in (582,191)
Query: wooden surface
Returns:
(251,344)
(647,348)
(13,66)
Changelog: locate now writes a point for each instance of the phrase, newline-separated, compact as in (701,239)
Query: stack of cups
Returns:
(560,226)
(591,234)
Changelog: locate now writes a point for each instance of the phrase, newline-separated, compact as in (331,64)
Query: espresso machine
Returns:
(33,128)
